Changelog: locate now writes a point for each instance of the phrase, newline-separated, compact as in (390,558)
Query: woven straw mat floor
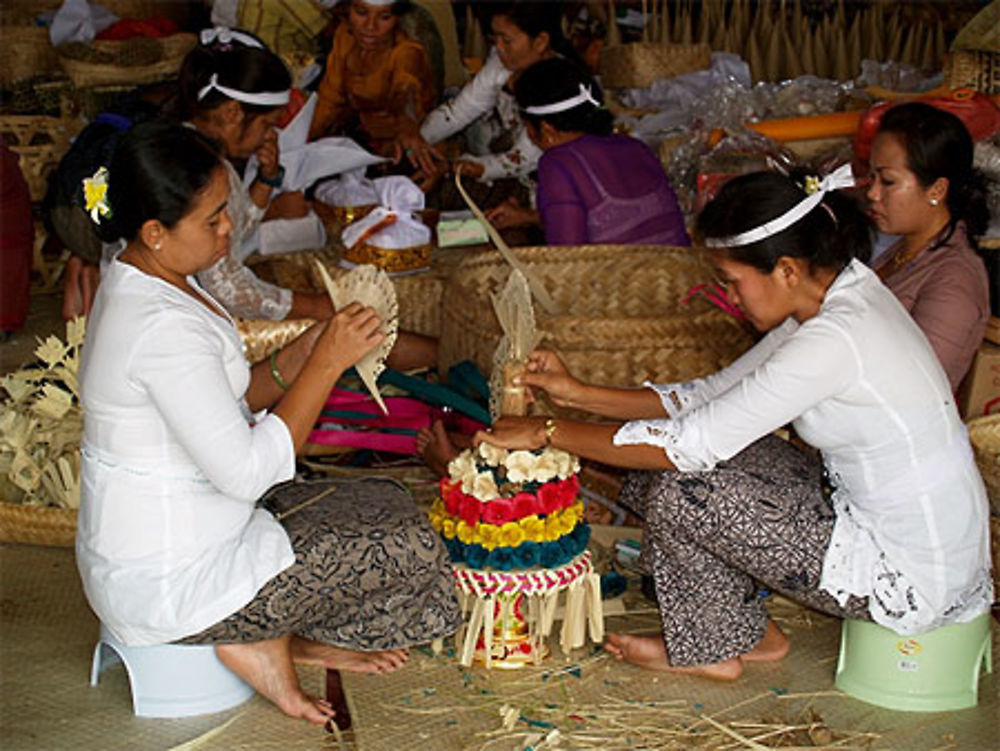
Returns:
(47,634)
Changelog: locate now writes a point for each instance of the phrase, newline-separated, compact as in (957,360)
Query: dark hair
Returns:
(536,16)
(556,80)
(828,237)
(938,144)
(157,170)
(239,66)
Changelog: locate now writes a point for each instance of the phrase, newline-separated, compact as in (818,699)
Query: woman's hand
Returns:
(467,168)
(514,433)
(291,205)
(350,335)
(268,156)
(546,371)
(510,213)
(418,152)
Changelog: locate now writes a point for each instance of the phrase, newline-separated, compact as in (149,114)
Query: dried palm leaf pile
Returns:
(41,424)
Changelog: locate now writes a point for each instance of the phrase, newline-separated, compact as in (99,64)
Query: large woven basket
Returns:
(966,69)
(639,64)
(995,554)
(133,61)
(419,295)
(984,432)
(37,525)
(621,318)
(25,53)
(40,141)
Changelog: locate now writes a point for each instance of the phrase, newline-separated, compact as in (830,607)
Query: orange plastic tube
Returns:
(803,128)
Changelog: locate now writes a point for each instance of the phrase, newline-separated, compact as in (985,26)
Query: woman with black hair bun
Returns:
(593,186)
(885,521)
(924,188)
(189,529)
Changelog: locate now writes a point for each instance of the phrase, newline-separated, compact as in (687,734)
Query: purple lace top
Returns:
(607,190)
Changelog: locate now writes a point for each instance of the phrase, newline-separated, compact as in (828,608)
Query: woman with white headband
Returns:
(886,520)
(593,186)
(234,90)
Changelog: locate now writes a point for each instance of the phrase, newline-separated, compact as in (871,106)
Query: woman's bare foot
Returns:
(771,648)
(650,652)
(267,667)
(309,652)
(436,447)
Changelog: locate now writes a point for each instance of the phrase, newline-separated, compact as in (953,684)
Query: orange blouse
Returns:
(393,95)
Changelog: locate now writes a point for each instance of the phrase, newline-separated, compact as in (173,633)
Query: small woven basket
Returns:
(621,318)
(37,525)
(25,53)
(132,61)
(984,432)
(966,69)
(639,64)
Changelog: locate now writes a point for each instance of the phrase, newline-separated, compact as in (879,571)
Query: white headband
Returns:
(585,95)
(225,35)
(839,178)
(379,3)
(265,98)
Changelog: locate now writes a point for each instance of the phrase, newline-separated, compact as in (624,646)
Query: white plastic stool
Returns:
(171,680)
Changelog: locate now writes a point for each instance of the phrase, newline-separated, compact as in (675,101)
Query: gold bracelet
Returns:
(550,430)
(276,374)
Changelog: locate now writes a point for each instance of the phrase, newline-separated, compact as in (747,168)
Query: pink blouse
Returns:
(946,291)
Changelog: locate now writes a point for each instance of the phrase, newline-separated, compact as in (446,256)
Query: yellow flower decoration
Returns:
(447,527)
(465,532)
(95,195)
(511,535)
(534,528)
(490,534)
(812,184)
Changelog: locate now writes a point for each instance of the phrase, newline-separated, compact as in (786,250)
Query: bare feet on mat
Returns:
(267,667)
(771,648)
(436,448)
(649,652)
(309,652)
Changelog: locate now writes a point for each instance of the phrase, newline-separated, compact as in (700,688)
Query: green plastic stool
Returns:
(930,672)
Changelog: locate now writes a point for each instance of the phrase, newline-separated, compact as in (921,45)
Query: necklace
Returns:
(899,260)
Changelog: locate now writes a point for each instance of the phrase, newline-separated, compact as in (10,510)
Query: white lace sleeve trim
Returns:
(669,436)
(677,398)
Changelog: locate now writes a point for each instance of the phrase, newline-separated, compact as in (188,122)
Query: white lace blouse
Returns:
(859,382)
(484,93)
(229,281)
(169,540)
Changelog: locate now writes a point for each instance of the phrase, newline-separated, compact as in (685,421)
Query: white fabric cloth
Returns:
(859,382)
(399,197)
(79,21)
(229,281)
(168,539)
(484,93)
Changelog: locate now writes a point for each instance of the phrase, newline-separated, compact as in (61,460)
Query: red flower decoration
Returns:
(498,511)
(525,505)
(469,510)
(550,497)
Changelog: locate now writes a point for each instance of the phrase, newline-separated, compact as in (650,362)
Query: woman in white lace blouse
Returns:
(234,90)
(888,522)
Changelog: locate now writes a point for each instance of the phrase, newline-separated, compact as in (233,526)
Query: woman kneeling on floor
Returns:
(888,522)
(178,447)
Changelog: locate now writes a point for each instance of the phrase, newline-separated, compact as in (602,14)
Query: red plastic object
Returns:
(980,115)
(127,28)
